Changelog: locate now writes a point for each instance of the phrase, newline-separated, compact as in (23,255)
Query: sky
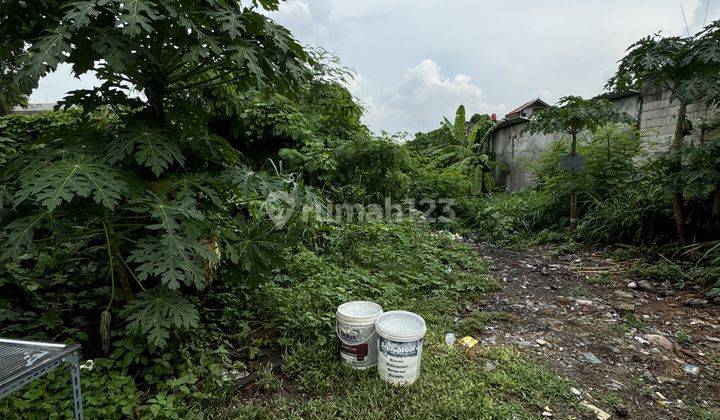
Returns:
(417,60)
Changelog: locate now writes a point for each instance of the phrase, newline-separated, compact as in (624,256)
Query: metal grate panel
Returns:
(21,362)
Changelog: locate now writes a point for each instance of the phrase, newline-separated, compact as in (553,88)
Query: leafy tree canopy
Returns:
(687,66)
(573,115)
(139,188)
(158,47)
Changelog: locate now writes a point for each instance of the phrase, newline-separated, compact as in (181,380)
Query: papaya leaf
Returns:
(17,237)
(157,312)
(44,56)
(81,13)
(151,148)
(174,259)
(138,16)
(63,180)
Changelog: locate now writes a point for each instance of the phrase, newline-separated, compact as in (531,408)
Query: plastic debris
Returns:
(575,391)
(690,368)
(450,339)
(88,365)
(468,341)
(490,365)
(234,374)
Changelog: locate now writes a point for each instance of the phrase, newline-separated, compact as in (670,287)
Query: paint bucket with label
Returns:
(356,331)
(400,343)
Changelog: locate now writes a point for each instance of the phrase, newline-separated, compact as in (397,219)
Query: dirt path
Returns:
(633,353)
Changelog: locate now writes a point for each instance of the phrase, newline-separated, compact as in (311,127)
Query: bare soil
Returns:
(603,335)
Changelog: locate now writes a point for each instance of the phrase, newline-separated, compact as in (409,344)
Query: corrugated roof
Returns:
(33,108)
(527,105)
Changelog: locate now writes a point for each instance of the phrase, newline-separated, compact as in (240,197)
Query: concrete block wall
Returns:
(655,110)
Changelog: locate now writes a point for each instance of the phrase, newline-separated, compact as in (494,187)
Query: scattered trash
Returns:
(546,412)
(541,341)
(468,341)
(234,374)
(490,365)
(575,391)
(89,364)
(591,358)
(666,380)
(450,339)
(600,414)
(640,340)
(632,285)
(691,369)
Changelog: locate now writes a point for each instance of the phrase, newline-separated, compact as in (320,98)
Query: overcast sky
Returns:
(417,60)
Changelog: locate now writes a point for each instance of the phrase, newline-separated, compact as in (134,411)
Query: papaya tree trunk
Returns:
(573,195)
(676,169)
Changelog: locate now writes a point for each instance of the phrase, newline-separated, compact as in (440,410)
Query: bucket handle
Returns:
(337,332)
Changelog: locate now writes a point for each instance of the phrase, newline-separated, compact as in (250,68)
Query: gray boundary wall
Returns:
(655,110)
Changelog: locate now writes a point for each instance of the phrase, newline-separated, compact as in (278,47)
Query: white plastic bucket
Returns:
(356,331)
(400,343)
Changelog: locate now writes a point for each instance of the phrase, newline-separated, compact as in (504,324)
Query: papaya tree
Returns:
(573,115)
(138,197)
(688,68)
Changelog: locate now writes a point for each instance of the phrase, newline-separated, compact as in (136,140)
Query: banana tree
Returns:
(464,149)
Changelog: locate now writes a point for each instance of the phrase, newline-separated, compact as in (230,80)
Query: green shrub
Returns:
(378,165)
(663,271)
(392,264)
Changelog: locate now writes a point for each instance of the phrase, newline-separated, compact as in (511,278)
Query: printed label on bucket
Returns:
(357,345)
(399,362)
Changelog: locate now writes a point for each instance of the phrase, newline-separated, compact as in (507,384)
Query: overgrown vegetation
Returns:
(177,235)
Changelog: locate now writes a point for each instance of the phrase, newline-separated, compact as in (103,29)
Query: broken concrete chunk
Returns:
(659,340)
(591,358)
(600,414)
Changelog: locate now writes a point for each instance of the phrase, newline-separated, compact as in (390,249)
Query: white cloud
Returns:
(55,85)
(422,98)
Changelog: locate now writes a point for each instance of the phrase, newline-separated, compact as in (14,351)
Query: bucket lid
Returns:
(360,312)
(401,326)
